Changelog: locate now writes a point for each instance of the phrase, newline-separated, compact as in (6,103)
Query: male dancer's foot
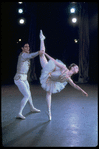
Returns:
(42,37)
(20,116)
(34,110)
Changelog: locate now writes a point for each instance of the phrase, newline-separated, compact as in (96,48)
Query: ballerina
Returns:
(55,75)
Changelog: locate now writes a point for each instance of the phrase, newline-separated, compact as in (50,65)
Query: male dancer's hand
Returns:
(41,52)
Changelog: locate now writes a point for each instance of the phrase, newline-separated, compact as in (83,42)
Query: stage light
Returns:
(72,10)
(75,40)
(20,10)
(21,21)
(20,2)
(74,20)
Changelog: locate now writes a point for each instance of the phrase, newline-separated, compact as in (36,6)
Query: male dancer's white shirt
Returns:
(23,65)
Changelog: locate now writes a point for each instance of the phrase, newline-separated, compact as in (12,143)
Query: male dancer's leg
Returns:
(24,90)
(33,109)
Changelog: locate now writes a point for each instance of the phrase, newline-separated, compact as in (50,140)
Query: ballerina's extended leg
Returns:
(43,59)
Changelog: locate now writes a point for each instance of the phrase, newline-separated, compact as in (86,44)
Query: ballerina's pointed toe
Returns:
(49,115)
(42,37)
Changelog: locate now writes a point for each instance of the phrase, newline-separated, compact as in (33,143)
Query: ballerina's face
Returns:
(75,69)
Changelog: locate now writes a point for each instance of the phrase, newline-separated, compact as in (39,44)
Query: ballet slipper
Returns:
(42,37)
(20,116)
(49,115)
(34,110)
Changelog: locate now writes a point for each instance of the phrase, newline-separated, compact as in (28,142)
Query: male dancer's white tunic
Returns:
(23,65)
(20,78)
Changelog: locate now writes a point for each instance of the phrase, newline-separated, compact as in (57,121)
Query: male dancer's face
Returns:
(26,48)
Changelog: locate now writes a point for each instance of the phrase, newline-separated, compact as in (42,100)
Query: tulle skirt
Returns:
(46,83)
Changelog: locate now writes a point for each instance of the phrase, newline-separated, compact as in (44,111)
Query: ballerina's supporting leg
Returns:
(48,99)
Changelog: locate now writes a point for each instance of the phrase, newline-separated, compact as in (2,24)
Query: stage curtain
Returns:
(32,41)
(83,43)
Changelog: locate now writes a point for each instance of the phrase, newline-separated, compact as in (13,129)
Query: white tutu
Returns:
(46,83)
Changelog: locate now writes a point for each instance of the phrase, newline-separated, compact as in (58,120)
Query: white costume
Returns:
(23,65)
(50,80)
(54,75)
(50,77)
(20,80)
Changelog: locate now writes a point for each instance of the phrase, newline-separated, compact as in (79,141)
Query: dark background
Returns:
(54,19)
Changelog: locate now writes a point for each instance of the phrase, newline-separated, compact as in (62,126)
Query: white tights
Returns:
(24,88)
(43,62)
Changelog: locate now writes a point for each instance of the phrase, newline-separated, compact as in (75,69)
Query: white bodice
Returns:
(57,75)
(50,78)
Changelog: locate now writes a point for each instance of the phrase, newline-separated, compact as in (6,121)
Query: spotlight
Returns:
(75,40)
(74,20)
(20,10)
(21,21)
(72,10)
(20,2)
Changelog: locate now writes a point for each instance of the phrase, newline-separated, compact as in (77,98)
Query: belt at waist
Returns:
(22,76)
(22,73)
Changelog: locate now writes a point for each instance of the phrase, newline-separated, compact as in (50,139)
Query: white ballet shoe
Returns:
(20,116)
(49,115)
(42,37)
(34,110)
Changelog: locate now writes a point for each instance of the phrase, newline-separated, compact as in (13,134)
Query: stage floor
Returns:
(74,118)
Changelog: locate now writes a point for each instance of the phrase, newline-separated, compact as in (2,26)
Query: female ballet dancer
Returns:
(55,75)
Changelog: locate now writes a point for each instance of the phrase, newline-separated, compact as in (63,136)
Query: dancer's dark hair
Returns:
(72,65)
(23,43)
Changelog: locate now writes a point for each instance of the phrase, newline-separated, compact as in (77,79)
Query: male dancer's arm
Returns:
(32,55)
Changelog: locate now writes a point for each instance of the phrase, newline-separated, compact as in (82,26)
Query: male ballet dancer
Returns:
(20,78)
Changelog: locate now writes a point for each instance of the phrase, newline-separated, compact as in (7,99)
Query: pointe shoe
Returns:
(34,110)
(49,115)
(20,116)
(42,37)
